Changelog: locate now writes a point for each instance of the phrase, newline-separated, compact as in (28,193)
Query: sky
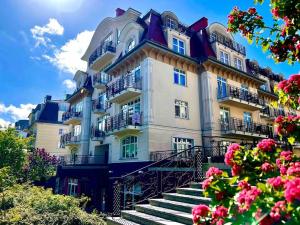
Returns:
(42,41)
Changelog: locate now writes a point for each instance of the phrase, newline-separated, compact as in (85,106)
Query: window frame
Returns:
(223,58)
(237,65)
(73,186)
(123,154)
(175,141)
(176,46)
(179,74)
(183,109)
(171,23)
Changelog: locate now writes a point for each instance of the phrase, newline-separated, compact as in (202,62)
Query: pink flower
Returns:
(200,211)
(206,183)
(246,197)
(252,10)
(229,156)
(267,167)
(276,182)
(266,145)
(286,155)
(275,12)
(294,169)
(244,185)
(277,210)
(231,18)
(235,170)
(292,190)
(282,84)
(279,119)
(220,211)
(213,171)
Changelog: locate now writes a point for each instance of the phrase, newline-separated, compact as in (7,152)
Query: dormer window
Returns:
(171,23)
(238,63)
(224,57)
(131,45)
(178,46)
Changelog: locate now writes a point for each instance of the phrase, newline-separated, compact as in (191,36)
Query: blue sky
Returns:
(41,42)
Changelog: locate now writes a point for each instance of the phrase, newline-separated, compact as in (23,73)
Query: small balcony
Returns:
(72,118)
(123,123)
(100,80)
(69,139)
(96,134)
(235,126)
(124,88)
(217,37)
(102,55)
(240,98)
(99,107)
(270,113)
(81,160)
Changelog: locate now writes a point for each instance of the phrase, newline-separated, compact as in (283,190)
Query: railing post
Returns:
(198,166)
(116,210)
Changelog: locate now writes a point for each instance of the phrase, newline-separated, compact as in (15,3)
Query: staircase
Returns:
(172,209)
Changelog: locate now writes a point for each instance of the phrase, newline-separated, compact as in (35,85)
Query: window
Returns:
(181,144)
(238,63)
(263,87)
(224,58)
(72,186)
(244,92)
(102,100)
(178,46)
(179,77)
(222,87)
(77,130)
(108,39)
(247,119)
(131,45)
(171,23)
(224,117)
(101,123)
(118,36)
(181,109)
(129,147)
(77,107)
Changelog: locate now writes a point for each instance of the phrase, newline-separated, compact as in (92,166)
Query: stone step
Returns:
(169,214)
(196,185)
(187,198)
(119,221)
(180,206)
(146,219)
(190,191)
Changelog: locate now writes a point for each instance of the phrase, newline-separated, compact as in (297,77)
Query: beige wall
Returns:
(48,137)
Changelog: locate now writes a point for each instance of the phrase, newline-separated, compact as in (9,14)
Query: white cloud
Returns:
(4,123)
(53,27)
(69,84)
(68,57)
(16,113)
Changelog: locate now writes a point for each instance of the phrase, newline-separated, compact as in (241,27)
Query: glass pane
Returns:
(182,80)
(176,79)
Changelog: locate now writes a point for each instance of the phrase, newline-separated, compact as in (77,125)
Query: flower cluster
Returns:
(213,172)
(288,126)
(266,145)
(199,212)
(246,197)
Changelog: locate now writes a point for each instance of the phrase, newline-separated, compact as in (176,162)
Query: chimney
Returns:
(48,98)
(119,12)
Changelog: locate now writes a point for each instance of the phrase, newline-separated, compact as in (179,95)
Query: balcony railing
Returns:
(129,81)
(123,120)
(100,80)
(69,139)
(100,106)
(101,50)
(97,134)
(239,94)
(239,126)
(83,160)
(271,112)
(71,115)
(217,37)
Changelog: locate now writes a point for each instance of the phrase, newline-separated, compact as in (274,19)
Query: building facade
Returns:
(154,86)
(45,125)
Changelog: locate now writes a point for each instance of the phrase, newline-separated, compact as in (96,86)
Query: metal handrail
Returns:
(70,114)
(103,48)
(123,119)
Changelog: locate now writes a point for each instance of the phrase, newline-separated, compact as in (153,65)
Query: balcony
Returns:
(79,160)
(217,37)
(99,107)
(69,139)
(123,123)
(100,80)
(102,55)
(270,113)
(124,88)
(97,135)
(240,98)
(235,126)
(72,118)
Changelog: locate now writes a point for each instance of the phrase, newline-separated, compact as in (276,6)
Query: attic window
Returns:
(131,45)
(171,23)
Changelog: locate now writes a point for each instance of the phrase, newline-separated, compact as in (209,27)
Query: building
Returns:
(45,125)
(155,86)
(21,127)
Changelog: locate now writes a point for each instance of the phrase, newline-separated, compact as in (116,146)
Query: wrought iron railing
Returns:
(96,133)
(241,94)
(101,78)
(69,138)
(151,181)
(215,36)
(235,124)
(271,112)
(105,47)
(125,82)
(69,115)
(83,160)
(100,105)
(123,120)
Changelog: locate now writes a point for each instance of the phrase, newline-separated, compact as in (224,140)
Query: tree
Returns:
(281,38)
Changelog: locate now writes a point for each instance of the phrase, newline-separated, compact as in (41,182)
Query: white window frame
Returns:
(183,109)
(77,130)
(176,45)
(238,63)
(124,153)
(180,74)
(72,186)
(223,58)
(181,144)
(171,23)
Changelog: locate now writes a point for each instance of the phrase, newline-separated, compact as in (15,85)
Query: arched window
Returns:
(131,45)
(129,147)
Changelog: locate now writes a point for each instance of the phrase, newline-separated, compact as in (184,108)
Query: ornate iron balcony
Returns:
(230,92)
(97,134)
(69,139)
(269,112)
(71,117)
(83,160)
(239,126)
(123,120)
(100,107)
(217,37)
(101,50)
(100,80)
